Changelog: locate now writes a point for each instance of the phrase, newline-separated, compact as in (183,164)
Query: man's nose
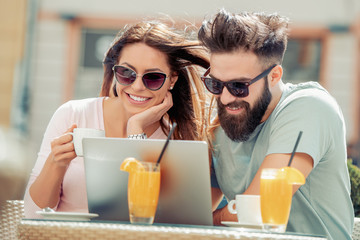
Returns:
(226,97)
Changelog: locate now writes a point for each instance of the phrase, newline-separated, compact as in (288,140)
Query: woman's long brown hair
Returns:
(184,58)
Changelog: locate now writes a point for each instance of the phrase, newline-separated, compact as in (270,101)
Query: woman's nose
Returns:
(138,85)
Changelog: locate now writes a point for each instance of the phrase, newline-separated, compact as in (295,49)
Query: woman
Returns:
(151,80)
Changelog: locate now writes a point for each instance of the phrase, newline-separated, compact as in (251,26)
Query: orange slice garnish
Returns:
(292,175)
(131,164)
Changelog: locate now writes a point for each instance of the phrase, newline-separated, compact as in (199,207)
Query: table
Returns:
(51,229)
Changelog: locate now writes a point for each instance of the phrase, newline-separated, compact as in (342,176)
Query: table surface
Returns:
(51,229)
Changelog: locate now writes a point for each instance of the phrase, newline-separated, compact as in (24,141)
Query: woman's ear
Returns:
(173,80)
(275,75)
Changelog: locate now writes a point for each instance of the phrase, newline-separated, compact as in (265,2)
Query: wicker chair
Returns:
(356,231)
(12,211)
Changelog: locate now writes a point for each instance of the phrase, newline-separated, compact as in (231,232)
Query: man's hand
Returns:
(223,215)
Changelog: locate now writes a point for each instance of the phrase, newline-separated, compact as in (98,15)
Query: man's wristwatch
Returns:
(138,136)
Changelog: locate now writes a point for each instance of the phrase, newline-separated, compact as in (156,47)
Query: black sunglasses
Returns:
(126,76)
(235,87)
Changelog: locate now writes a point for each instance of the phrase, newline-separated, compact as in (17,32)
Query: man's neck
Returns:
(276,96)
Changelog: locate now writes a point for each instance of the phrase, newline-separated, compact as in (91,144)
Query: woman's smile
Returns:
(137,99)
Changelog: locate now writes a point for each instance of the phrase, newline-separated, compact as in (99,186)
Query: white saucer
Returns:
(72,216)
(241,225)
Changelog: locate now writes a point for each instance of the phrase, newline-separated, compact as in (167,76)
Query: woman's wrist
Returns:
(138,136)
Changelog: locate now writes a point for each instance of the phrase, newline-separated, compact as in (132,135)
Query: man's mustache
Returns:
(235,104)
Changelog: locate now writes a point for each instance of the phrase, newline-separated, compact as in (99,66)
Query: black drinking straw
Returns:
(296,144)
(166,143)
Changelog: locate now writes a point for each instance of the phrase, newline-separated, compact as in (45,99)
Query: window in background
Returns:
(94,44)
(302,60)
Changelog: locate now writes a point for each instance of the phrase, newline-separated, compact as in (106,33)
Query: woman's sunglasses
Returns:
(235,87)
(126,76)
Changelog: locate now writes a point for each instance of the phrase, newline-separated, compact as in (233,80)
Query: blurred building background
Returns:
(51,52)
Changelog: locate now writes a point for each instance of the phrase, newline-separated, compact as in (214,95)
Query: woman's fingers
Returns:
(66,138)
(163,107)
(64,159)
(138,122)
(62,148)
(168,102)
(71,129)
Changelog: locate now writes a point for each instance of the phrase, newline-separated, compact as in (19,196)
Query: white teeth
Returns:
(233,108)
(139,99)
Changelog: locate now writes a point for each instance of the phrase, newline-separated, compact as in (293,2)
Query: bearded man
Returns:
(260,117)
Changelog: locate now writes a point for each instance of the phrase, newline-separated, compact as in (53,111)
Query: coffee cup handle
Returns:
(72,134)
(231,207)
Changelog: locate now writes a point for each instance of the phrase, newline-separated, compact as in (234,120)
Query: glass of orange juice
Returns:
(143,190)
(275,196)
(275,200)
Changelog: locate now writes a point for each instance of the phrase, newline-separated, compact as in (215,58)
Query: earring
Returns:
(171,88)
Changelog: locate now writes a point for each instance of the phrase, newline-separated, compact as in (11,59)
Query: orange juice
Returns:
(275,199)
(143,189)
(143,193)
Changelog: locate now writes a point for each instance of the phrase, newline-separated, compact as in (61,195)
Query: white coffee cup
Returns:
(80,133)
(247,208)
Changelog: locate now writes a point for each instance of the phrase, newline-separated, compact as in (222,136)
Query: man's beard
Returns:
(239,127)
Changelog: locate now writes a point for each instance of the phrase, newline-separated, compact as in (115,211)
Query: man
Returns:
(261,117)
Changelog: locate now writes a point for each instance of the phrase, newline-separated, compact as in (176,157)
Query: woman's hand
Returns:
(138,123)
(62,149)
(46,189)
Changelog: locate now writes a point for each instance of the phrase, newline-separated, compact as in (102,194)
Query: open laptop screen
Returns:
(185,196)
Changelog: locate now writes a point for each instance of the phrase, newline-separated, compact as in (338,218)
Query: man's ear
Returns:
(275,75)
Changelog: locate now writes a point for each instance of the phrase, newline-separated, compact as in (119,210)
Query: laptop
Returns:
(185,195)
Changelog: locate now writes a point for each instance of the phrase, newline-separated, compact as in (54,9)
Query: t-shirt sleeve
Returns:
(316,114)
(213,179)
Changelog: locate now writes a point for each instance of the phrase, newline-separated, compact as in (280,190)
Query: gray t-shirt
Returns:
(323,205)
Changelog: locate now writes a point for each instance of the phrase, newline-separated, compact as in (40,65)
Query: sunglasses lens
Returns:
(154,81)
(124,75)
(238,89)
(214,86)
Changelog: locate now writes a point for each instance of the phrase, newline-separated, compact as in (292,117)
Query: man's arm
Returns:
(301,161)
(216,197)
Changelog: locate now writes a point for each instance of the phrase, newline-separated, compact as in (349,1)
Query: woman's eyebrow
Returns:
(147,70)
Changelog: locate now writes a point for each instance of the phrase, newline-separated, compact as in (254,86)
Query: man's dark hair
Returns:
(263,34)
